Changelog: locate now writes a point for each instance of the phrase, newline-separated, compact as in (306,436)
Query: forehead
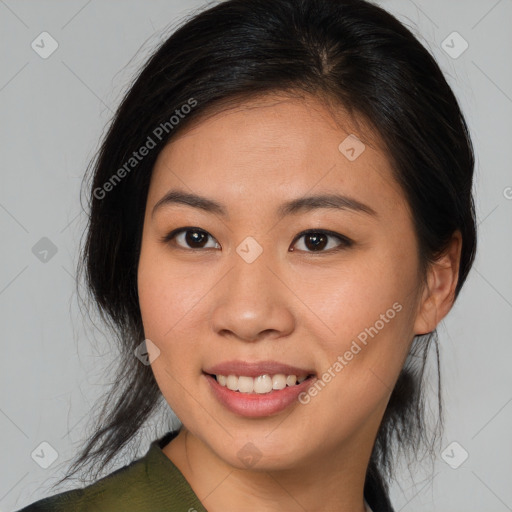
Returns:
(274,146)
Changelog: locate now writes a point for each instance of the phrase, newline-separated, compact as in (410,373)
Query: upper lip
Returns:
(254,369)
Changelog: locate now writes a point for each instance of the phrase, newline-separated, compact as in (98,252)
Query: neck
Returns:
(332,481)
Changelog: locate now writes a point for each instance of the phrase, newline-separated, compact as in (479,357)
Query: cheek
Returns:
(370,316)
(173,299)
(368,307)
(167,295)
(168,303)
(352,297)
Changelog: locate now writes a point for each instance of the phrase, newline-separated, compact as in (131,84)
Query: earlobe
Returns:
(439,293)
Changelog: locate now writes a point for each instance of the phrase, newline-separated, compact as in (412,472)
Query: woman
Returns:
(281,215)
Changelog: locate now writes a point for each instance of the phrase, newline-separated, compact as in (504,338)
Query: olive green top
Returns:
(149,484)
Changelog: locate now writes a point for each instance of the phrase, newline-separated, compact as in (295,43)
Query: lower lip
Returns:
(254,405)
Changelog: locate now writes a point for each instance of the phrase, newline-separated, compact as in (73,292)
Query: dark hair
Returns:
(349,52)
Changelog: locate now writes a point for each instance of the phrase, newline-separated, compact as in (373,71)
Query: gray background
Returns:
(53,114)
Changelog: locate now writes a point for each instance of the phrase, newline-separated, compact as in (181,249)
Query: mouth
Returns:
(261,385)
(257,389)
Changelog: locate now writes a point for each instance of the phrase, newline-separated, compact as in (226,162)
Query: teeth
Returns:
(245,384)
(278,381)
(291,380)
(261,384)
(232,383)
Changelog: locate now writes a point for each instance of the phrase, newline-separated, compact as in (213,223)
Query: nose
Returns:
(253,303)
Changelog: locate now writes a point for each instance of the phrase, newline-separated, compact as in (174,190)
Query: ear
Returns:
(439,294)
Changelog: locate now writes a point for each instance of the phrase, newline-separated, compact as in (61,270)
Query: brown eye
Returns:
(190,238)
(317,241)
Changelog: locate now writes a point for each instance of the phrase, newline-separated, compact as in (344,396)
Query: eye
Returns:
(190,238)
(193,238)
(318,240)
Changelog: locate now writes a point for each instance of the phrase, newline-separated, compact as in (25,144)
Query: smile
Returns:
(261,384)
(263,400)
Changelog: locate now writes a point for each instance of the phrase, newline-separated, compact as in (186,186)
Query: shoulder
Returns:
(147,484)
(70,500)
(117,491)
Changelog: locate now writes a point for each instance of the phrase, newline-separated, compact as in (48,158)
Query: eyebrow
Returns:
(293,207)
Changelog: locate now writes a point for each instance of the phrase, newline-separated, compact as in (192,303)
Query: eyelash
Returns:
(344,241)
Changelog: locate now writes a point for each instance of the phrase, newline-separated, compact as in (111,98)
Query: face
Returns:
(231,284)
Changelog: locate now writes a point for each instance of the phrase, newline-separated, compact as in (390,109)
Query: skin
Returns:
(204,306)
